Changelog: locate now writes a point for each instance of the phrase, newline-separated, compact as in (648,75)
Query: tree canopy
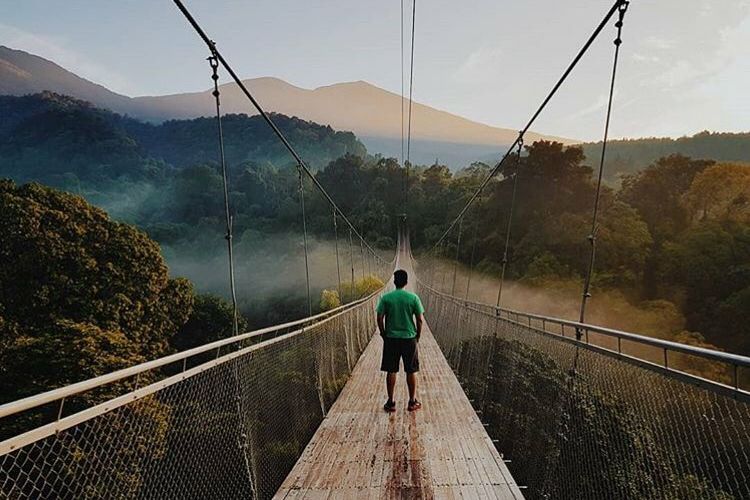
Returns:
(80,294)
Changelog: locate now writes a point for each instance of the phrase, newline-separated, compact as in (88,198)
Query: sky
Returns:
(685,64)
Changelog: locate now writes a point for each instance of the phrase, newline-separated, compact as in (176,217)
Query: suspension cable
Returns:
(298,159)
(411,87)
(546,101)
(214,63)
(304,238)
(510,220)
(621,10)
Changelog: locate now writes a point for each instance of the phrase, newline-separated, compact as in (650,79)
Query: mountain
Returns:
(369,111)
(22,73)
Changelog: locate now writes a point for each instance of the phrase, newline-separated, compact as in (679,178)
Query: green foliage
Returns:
(657,191)
(628,156)
(674,230)
(362,287)
(211,319)
(80,295)
(544,421)
(329,299)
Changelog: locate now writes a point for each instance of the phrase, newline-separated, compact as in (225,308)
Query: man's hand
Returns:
(420,321)
(381,324)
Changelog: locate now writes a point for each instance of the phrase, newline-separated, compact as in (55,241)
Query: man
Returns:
(400,324)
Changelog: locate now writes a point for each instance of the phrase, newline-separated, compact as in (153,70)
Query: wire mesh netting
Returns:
(232,427)
(578,422)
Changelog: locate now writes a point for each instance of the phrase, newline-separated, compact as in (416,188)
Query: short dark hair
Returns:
(400,278)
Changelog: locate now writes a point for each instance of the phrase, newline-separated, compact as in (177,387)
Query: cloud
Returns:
(56,50)
(481,66)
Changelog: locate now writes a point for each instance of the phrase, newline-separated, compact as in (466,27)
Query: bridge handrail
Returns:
(60,393)
(735,360)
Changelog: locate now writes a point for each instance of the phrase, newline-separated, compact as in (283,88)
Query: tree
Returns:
(720,192)
(80,294)
(657,192)
(211,319)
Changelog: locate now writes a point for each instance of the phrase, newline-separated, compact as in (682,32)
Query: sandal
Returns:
(414,405)
(390,407)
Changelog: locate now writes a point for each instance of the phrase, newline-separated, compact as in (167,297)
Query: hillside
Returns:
(57,139)
(631,155)
(369,111)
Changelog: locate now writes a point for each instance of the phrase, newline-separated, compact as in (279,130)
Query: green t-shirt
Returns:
(399,308)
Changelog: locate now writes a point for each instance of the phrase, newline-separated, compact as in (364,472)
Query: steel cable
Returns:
(531,121)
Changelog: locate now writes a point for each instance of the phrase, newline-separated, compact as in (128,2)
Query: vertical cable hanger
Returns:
(402,82)
(338,266)
(622,8)
(304,238)
(362,255)
(411,87)
(455,262)
(351,260)
(242,440)
(213,61)
(510,219)
(471,262)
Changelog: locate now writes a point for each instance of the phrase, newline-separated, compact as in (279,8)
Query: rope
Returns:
(546,101)
(213,62)
(510,221)
(411,87)
(304,237)
(622,7)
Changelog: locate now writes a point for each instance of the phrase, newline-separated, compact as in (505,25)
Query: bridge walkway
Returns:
(440,451)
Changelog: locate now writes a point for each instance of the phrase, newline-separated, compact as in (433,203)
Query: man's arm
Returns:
(381,324)
(420,320)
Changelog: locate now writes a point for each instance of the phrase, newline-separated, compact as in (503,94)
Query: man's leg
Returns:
(390,385)
(411,381)
(411,366)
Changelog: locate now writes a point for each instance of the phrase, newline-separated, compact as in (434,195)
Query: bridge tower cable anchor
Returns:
(622,8)
(510,218)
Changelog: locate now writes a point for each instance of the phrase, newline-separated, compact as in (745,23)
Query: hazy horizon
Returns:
(682,67)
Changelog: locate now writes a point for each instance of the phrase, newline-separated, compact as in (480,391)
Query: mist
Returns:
(561,298)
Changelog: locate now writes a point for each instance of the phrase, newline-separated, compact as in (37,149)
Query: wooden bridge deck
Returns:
(440,451)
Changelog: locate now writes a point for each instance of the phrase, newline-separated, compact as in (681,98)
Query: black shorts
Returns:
(396,349)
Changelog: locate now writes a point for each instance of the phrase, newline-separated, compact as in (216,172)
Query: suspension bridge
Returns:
(516,405)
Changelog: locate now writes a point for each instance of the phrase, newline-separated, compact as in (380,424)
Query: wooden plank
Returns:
(441,451)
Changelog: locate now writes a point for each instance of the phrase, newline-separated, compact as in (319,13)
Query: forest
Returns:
(673,241)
